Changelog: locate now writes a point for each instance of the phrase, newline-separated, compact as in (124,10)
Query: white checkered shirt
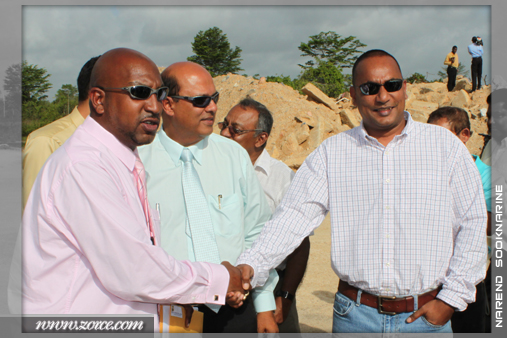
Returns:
(405,218)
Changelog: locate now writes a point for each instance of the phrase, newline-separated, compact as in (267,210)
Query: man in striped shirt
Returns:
(408,217)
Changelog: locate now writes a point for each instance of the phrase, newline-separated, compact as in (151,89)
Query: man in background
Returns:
(249,123)
(211,204)
(452,63)
(456,120)
(475,50)
(44,141)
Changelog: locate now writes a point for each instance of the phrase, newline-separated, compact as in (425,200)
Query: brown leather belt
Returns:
(387,304)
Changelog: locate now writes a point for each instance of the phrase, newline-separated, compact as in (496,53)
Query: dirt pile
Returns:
(302,122)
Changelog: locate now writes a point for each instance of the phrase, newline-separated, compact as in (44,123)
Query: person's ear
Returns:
(168,105)
(97,97)
(261,139)
(465,135)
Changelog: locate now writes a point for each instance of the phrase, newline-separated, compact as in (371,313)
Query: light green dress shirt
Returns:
(238,216)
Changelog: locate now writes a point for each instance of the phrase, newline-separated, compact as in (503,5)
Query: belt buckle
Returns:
(380,310)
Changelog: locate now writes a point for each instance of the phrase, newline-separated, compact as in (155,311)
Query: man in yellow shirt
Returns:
(44,141)
(452,63)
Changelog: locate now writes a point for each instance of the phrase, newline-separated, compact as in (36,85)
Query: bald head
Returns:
(172,75)
(132,119)
(118,64)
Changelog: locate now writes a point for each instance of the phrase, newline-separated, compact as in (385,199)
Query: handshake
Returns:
(239,284)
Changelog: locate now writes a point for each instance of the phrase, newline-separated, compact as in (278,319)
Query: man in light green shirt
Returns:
(235,199)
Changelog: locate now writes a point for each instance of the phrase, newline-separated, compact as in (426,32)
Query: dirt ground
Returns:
(315,295)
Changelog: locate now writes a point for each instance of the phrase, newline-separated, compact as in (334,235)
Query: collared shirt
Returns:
(43,142)
(274,176)
(86,244)
(405,218)
(475,50)
(448,62)
(236,202)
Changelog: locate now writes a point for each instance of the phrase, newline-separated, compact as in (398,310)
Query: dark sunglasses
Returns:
(142,92)
(199,101)
(233,130)
(372,88)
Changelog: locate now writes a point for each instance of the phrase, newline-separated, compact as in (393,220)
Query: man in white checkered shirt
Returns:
(408,219)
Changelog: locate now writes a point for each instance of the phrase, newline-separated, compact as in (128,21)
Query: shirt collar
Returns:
(174,149)
(409,126)
(76,117)
(263,162)
(124,153)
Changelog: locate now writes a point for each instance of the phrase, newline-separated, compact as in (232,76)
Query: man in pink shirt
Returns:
(89,246)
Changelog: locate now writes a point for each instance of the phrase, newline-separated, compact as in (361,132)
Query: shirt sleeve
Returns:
(467,266)
(447,61)
(35,153)
(100,224)
(257,212)
(301,211)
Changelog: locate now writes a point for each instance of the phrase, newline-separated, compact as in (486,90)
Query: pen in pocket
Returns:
(219,201)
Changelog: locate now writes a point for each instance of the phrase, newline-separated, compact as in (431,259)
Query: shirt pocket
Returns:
(226,215)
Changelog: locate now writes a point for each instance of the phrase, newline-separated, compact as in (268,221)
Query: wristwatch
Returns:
(284,294)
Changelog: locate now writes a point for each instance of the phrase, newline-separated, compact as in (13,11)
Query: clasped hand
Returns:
(238,290)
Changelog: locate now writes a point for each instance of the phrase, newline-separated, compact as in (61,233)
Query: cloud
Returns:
(418,36)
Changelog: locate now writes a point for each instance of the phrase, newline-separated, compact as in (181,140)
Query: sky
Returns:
(62,38)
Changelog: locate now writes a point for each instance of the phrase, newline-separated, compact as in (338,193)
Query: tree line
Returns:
(329,54)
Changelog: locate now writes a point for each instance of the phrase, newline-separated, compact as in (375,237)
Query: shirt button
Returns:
(387,152)
(388,180)
(387,207)
(388,264)
(388,236)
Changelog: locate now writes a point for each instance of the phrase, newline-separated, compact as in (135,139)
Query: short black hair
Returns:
(457,117)
(474,39)
(265,120)
(369,54)
(454,47)
(83,79)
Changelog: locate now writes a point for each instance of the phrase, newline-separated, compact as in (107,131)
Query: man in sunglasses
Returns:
(408,218)
(211,204)
(90,241)
(249,123)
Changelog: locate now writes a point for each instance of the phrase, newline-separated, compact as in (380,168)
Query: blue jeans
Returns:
(350,316)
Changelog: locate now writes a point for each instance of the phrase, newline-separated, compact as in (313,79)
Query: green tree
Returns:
(331,47)
(326,76)
(213,51)
(65,99)
(462,70)
(34,83)
(416,78)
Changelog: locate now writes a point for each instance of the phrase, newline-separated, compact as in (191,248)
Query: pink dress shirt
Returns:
(86,245)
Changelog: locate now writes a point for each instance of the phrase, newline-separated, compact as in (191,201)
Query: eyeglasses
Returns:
(233,130)
(199,101)
(372,88)
(142,92)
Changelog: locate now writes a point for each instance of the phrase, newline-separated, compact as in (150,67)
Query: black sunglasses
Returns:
(233,130)
(372,88)
(199,101)
(142,92)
